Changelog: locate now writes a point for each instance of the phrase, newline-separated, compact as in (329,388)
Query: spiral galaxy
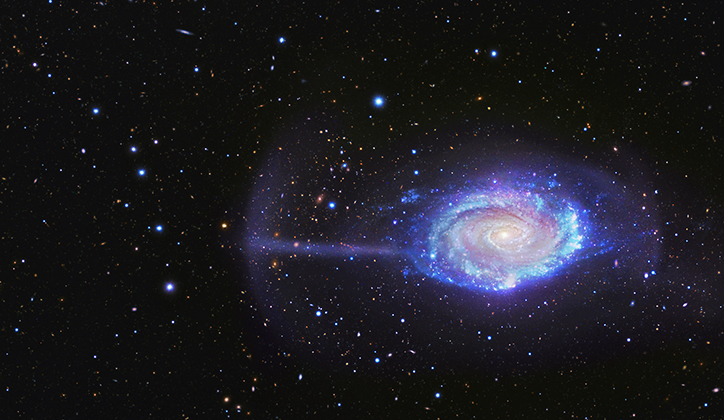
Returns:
(495,222)
(493,240)
(491,234)
(486,221)
(484,239)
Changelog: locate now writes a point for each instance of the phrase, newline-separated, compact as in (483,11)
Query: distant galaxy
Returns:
(483,224)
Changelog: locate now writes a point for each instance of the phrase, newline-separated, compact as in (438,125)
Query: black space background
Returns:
(77,261)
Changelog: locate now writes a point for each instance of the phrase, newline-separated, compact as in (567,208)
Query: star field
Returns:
(327,210)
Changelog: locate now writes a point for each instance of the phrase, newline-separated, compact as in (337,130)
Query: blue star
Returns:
(379,101)
(281,40)
(141,172)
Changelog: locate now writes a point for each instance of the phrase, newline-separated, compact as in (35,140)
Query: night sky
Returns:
(279,210)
